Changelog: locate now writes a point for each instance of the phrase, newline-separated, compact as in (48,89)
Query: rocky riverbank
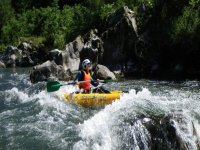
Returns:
(117,50)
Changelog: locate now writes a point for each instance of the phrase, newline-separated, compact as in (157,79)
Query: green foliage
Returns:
(94,5)
(35,40)
(43,21)
(21,6)
(50,21)
(82,18)
(2,47)
(106,10)
(187,24)
(195,3)
(6,11)
(11,32)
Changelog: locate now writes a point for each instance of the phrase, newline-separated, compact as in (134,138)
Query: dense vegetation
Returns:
(56,22)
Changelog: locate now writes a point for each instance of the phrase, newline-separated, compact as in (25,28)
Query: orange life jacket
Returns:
(86,77)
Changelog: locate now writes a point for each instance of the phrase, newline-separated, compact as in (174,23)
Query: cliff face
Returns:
(119,39)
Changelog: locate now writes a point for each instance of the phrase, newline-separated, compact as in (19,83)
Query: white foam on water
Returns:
(188,132)
(44,98)
(15,95)
(101,130)
(24,78)
(68,89)
(47,122)
(106,129)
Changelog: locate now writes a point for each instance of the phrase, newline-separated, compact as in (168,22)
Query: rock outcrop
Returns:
(103,72)
(114,48)
(49,71)
(119,39)
(22,56)
(2,65)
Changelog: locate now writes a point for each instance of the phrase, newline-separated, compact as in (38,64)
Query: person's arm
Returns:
(78,76)
(93,82)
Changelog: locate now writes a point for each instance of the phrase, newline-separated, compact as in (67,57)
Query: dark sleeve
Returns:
(93,82)
(78,77)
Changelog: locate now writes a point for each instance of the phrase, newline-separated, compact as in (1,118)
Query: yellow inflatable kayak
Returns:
(93,99)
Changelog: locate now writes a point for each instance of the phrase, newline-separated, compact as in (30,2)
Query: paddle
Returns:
(53,86)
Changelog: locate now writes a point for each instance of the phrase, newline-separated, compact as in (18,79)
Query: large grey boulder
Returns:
(71,54)
(93,49)
(49,71)
(102,72)
(89,46)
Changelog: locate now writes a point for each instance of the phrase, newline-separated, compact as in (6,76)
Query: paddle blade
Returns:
(53,86)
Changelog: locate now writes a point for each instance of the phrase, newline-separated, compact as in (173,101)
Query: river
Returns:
(31,118)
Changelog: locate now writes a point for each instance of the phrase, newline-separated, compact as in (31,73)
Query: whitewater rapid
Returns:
(32,118)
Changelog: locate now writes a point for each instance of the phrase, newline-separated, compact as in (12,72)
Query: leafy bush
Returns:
(106,10)
(187,24)
(46,22)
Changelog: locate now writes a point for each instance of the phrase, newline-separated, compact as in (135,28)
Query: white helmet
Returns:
(85,62)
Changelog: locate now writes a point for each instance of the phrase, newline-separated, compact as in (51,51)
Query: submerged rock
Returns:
(175,131)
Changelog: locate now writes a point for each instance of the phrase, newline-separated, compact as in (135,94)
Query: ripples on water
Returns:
(31,118)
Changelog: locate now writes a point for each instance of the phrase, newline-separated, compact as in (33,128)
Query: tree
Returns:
(6,12)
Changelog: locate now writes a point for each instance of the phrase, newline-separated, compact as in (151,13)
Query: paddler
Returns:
(85,75)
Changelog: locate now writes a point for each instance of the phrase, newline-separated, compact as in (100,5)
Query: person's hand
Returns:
(76,83)
(98,81)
